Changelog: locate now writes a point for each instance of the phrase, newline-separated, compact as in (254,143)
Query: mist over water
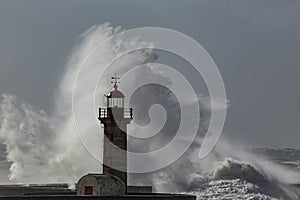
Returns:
(35,142)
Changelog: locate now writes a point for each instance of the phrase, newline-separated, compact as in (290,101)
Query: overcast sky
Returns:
(255,44)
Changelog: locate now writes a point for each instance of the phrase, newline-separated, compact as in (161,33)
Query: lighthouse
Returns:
(115,119)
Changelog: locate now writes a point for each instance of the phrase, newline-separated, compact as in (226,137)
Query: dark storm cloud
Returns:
(256,45)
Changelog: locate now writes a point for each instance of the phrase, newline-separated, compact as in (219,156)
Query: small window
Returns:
(88,190)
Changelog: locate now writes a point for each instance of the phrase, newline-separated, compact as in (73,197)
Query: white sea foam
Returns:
(233,179)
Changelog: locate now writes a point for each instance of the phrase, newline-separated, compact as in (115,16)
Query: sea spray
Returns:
(49,145)
(28,135)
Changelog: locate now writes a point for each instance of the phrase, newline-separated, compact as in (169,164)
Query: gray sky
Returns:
(255,44)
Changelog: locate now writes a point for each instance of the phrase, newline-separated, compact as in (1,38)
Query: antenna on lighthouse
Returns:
(115,80)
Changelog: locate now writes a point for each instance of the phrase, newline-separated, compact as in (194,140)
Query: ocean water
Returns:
(233,179)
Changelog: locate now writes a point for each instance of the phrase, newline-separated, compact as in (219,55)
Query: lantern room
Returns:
(115,101)
(115,98)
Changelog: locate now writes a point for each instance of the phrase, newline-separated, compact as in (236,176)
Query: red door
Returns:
(88,190)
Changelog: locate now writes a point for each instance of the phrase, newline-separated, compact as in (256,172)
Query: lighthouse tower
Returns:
(115,119)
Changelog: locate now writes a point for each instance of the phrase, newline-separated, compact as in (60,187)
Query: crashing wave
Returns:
(231,168)
(233,179)
(27,135)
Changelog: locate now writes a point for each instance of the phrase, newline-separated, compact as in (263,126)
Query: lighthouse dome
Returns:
(115,94)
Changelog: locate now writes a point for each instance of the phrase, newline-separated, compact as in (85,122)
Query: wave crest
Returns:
(231,168)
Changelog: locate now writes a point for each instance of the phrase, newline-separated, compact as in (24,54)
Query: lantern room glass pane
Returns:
(115,102)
